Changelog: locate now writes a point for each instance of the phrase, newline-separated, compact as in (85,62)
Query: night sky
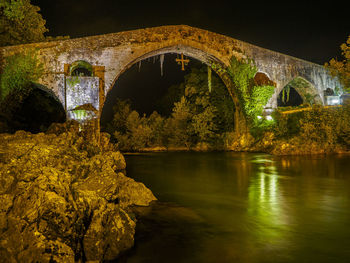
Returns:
(311,30)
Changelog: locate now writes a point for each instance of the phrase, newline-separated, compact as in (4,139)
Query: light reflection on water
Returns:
(239,207)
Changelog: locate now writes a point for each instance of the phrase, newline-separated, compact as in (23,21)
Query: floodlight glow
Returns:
(333,100)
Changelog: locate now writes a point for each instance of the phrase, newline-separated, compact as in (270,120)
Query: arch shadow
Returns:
(35,112)
(307,91)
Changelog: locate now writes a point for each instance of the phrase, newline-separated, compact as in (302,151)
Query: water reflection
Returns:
(248,207)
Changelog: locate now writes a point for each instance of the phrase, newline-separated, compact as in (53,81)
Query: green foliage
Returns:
(121,110)
(285,94)
(242,74)
(174,94)
(341,68)
(193,117)
(72,81)
(327,127)
(80,114)
(179,124)
(338,91)
(261,127)
(286,125)
(197,117)
(310,98)
(219,96)
(252,96)
(20,70)
(20,22)
(258,97)
(139,132)
(156,124)
(133,132)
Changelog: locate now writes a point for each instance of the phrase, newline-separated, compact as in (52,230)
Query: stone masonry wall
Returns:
(118,51)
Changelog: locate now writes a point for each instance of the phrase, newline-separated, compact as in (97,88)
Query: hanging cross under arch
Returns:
(182,61)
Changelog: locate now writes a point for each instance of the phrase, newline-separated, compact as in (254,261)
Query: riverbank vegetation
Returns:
(198,119)
(198,114)
(317,130)
(341,68)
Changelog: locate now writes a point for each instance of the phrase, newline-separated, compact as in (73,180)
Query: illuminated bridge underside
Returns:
(112,54)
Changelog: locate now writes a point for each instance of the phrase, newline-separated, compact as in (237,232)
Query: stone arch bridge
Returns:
(111,54)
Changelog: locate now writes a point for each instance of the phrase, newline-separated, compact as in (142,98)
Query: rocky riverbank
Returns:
(63,199)
(269,143)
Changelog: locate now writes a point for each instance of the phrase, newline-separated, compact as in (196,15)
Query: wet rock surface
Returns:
(64,199)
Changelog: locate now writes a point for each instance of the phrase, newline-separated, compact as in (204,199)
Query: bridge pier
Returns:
(84,98)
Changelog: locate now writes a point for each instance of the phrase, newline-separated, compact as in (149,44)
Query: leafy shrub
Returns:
(252,96)
(327,127)
(199,116)
(19,72)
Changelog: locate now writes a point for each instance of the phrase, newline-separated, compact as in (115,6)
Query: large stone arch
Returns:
(200,55)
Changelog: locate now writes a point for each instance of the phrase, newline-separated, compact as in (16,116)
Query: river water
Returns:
(243,207)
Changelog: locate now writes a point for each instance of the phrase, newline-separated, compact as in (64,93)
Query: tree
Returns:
(341,68)
(133,132)
(178,125)
(20,23)
(196,84)
(121,111)
(156,123)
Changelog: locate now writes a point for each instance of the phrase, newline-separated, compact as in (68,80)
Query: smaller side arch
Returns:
(37,109)
(263,79)
(80,68)
(306,90)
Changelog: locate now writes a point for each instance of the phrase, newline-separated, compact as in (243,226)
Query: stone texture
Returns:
(65,200)
(86,91)
(119,51)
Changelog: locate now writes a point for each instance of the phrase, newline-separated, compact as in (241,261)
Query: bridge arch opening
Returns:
(203,57)
(298,91)
(198,72)
(289,97)
(38,109)
(81,68)
(263,79)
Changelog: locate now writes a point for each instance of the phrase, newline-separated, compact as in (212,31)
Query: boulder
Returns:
(62,201)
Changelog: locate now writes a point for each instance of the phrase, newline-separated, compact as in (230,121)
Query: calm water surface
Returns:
(243,207)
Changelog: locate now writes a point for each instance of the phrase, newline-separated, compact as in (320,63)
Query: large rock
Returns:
(63,200)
